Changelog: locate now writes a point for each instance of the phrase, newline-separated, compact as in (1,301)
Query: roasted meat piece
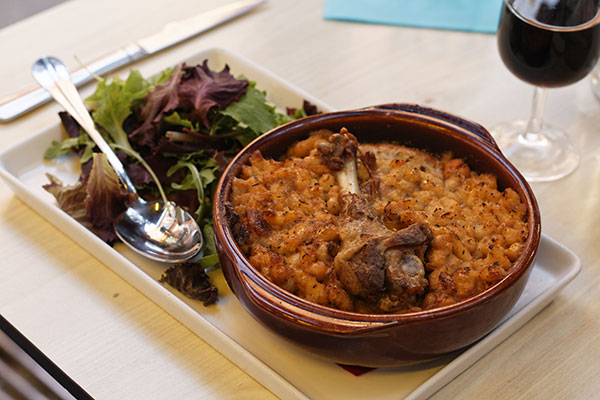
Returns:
(382,266)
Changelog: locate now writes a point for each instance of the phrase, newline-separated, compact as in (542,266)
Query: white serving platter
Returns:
(287,371)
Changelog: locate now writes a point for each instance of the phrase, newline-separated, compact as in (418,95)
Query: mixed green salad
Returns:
(175,131)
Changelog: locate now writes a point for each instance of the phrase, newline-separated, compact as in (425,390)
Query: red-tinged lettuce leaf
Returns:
(160,162)
(193,90)
(307,109)
(69,198)
(96,200)
(71,126)
(138,174)
(163,99)
(164,145)
(202,89)
(223,161)
(107,199)
(188,199)
(191,280)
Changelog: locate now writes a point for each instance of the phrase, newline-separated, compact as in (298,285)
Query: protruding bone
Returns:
(340,155)
(372,258)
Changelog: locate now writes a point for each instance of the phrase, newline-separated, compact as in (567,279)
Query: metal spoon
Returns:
(158,230)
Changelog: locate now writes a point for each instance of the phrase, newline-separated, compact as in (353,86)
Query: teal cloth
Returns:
(463,15)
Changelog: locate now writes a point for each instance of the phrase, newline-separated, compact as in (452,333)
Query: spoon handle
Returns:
(53,76)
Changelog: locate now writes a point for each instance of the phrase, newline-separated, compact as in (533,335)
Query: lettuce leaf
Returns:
(160,100)
(201,173)
(253,111)
(69,145)
(184,123)
(195,91)
(191,281)
(71,199)
(111,104)
(178,120)
(203,89)
(96,201)
(77,140)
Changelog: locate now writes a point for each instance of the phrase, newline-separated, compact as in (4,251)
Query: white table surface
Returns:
(118,344)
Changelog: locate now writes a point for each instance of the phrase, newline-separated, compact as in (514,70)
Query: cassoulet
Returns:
(374,228)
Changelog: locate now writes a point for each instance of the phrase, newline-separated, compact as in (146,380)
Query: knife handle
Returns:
(29,99)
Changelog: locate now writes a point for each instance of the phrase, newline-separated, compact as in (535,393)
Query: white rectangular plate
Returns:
(285,370)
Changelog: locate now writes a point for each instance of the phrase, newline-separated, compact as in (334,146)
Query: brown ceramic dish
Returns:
(380,340)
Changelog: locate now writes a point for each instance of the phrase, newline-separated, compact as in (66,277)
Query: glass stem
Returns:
(533,132)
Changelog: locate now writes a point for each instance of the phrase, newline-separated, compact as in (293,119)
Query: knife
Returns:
(174,32)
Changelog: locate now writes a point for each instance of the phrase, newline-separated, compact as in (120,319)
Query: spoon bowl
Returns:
(159,230)
(162,233)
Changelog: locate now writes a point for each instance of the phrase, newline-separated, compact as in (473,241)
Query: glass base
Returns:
(550,158)
(595,78)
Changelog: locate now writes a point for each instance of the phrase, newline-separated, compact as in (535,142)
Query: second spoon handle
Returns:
(53,76)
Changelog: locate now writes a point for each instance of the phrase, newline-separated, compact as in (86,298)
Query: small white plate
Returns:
(287,371)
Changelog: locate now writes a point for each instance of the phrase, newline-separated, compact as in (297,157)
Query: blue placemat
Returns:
(463,15)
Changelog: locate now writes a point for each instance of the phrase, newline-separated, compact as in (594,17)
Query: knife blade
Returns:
(175,32)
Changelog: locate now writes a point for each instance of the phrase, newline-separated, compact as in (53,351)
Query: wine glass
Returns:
(547,43)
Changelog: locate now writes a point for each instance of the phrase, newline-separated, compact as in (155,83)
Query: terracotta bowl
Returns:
(380,340)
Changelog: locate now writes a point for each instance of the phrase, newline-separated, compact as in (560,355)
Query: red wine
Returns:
(549,43)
